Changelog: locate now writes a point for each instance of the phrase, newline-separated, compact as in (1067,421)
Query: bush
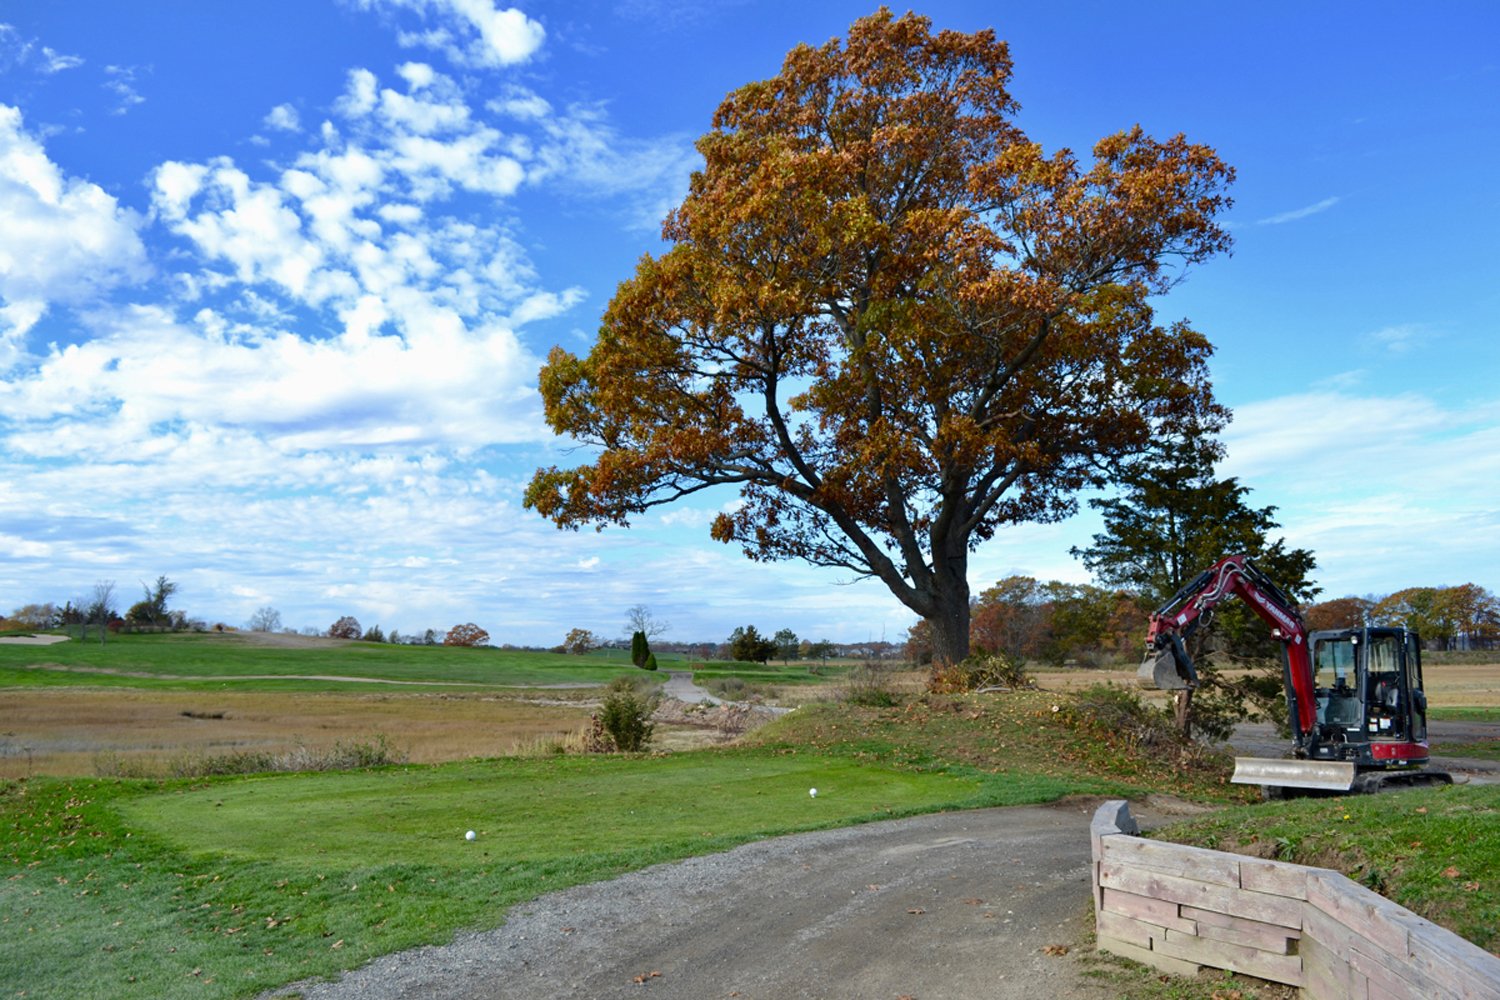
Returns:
(650,663)
(625,715)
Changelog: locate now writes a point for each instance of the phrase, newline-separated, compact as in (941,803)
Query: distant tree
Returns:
(152,611)
(820,650)
(640,619)
(36,616)
(429,637)
(467,634)
(101,606)
(346,627)
(580,641)
(266,619)
(748,645)
(787,645)
(395,638)
(373,634)
(1010,618)
(1341,612)
(639,647)
(1473,613)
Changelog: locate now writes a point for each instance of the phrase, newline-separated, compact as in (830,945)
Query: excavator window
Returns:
(1333,680)
(1384,697)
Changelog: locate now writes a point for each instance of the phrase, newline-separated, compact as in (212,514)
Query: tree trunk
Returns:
(950,620)
(1182,711)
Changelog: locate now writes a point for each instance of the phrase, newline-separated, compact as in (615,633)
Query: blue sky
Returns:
(276,279)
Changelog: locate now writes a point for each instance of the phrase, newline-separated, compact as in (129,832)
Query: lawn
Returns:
(228,887)
(208,660)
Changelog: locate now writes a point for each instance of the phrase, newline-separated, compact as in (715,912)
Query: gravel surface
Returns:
(955,905)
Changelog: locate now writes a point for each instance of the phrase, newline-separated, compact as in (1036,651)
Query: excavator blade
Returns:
(1333,776)
(1159,670)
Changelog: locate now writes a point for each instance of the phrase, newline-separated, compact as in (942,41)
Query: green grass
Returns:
(1481,750)
(1434,851)
(227,887)
(1467,713)
(190,660)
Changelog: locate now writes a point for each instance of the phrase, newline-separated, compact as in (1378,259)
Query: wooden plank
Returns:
(1111,819)
(1460,966)
(1161,912)
(1197,863)
(1276,877)
(1362,911)
(1326,976)
(1390,975)
(1225,955)
(1155,959)
(1232,923)
(1237,902)
(1263,937)
(1123,928)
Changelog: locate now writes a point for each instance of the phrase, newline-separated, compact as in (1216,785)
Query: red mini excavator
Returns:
(1354,696)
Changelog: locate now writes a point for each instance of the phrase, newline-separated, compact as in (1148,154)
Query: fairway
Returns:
(531,810)
(226,887)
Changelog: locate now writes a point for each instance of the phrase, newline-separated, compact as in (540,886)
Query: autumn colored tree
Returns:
(467,634)
(1341,612)
(580,641)
(346,627)
(890,320)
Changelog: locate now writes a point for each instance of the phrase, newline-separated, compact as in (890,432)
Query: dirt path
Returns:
(954,906)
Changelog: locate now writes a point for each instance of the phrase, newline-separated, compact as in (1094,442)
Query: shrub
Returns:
(625,715)
(639,648)
(650,663)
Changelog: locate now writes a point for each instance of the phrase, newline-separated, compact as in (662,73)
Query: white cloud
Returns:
(472,32)
(1386,491)
(283,118)
(1299,213)
(56,62)
(66,240)
(1401,338)
(121,83)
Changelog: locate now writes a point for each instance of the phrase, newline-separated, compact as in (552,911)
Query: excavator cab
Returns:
(1370,704)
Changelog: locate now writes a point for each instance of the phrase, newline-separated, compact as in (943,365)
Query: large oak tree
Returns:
(891,320)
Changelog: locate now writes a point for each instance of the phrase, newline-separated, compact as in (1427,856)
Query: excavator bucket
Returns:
(1159,670)
(1331,776)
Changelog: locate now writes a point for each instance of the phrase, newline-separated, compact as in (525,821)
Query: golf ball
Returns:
(470,835)
(813,792)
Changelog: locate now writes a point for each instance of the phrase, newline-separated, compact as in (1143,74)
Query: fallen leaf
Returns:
(1055,949)
(987,915)
(1471,887)
(916,911)
(1450,872)
(1421,810)
(974,902)
(337,944)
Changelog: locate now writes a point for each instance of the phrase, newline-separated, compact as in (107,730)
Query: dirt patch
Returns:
(64,731)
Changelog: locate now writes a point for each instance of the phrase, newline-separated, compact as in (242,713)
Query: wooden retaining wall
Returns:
(1180,908)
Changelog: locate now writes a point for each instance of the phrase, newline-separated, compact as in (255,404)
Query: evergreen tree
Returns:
(639,649)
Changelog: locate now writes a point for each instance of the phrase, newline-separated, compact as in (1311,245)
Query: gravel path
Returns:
(954,905)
